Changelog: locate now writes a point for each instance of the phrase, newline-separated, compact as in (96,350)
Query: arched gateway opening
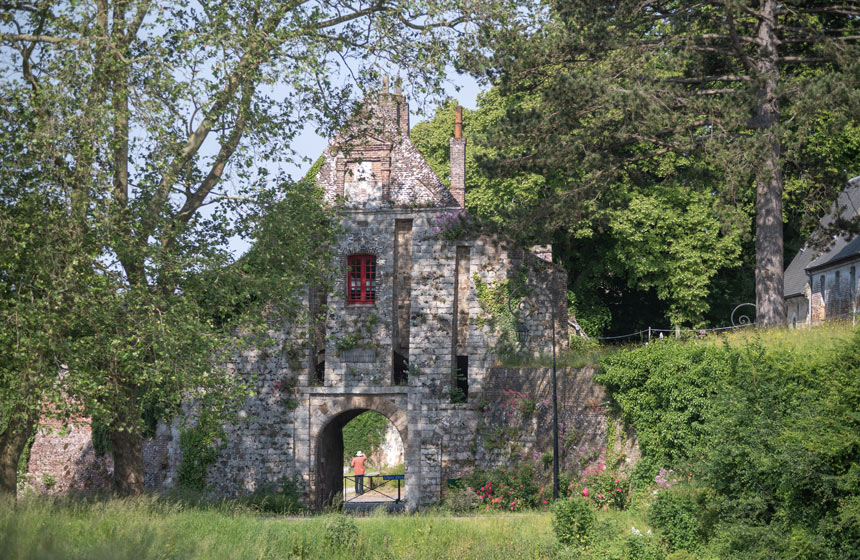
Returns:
(329,468)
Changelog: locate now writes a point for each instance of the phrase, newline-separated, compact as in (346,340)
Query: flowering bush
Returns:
(510,489)
(664,478)
(481,406)
(451,225)
(601,487)
(517,402)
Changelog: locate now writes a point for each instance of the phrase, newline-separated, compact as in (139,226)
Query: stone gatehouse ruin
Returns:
(412,328)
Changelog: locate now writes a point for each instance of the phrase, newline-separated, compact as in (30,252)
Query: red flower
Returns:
(585,492)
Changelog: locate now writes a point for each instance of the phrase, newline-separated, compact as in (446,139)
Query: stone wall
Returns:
(63,460)
(510,421)
(426,308)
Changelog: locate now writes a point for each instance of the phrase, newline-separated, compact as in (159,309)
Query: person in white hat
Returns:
(359,470)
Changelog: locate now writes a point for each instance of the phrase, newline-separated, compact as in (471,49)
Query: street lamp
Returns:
(523,337)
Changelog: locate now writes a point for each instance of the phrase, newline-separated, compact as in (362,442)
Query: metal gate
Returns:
(377,488)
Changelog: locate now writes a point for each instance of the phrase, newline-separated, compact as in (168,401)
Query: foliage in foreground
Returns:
(766,428)
(146,528)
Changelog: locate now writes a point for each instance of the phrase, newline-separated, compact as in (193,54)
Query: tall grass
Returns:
(146,528)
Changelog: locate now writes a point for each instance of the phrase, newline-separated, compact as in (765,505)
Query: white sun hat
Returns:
(359,454)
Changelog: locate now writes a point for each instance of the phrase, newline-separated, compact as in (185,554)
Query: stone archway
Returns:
(327,438)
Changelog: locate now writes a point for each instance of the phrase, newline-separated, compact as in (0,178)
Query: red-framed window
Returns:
(361,279)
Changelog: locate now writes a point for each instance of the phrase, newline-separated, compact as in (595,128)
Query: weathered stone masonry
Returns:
(399,353)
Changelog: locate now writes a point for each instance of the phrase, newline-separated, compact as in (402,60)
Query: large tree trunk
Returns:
(12,442)
(127,462)
(770,305)
(127,446)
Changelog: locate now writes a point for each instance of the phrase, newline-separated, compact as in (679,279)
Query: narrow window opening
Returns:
(319,312)
(401,369)
(460,392)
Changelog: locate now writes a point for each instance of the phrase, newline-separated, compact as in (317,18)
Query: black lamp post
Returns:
(523,337)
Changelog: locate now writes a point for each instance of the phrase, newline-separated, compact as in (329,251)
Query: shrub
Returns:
(200,446)
(365,432)
(766,423)
(664,391)
(643,547)
(511,489)
(674,512)
(340,532)
(573,521)
(281,497)
(605,488)
(461,500)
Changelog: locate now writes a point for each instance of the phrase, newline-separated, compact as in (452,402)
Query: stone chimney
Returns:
(392,108)
(402,108)
(458,159)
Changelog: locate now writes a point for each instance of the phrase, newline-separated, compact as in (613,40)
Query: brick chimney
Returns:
(458,159)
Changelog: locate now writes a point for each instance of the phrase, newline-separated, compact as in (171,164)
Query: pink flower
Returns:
(544,501)
(618,489)
(585,492)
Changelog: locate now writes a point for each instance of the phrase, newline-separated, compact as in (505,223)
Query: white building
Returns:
(821,285)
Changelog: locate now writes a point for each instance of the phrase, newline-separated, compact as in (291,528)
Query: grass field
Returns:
(146,528)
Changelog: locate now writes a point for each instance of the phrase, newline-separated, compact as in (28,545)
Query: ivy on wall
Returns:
(496,304)
(200,446)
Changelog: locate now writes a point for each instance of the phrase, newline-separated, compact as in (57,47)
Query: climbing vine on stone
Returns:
(200,446)
(494,298)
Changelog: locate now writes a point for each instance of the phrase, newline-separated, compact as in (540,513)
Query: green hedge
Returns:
(768,425)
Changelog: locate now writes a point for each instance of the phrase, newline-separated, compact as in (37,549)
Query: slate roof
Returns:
(810,259)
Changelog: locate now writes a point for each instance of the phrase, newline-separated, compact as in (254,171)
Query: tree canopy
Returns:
(144,136)
(660,237)
(725,99)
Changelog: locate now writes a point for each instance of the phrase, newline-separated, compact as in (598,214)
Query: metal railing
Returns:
(375,484)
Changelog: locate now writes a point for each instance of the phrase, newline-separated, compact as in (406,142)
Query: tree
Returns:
(741,86)
(662,237)
(161,130)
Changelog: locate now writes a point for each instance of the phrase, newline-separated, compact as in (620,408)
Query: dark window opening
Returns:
(319,369)
(361,279)
(460,391)
(319,311)
(401,369)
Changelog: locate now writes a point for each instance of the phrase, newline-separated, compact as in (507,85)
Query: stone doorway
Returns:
(329,455)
